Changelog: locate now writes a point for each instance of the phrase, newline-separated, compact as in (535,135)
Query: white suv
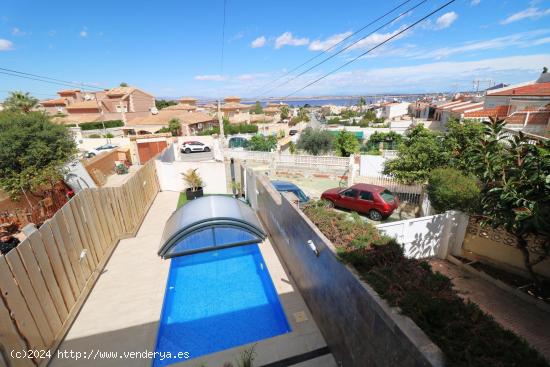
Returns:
(194,146)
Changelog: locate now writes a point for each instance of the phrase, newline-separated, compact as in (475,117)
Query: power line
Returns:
(337,44)
(371,49)
(346,48)
(52,79)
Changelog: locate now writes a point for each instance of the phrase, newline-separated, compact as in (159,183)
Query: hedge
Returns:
(450,189)
(99,125)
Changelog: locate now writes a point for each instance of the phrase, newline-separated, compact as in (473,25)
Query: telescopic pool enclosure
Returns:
(208,223)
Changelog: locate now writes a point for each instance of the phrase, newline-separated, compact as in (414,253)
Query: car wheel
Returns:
(206,149)
(187,150)
(375,215)
(330,204)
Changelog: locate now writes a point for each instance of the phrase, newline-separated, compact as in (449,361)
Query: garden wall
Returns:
(213,175)
(497,247)
(359,327)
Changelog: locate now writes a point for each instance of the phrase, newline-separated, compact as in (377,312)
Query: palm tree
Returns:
(361,103)
(19,101)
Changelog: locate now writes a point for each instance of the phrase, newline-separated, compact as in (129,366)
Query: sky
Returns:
(173,48)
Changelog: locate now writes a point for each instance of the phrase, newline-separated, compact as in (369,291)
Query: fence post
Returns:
(275,157)
(351,170)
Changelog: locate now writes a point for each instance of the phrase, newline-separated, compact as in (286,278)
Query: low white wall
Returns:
(91,143)
(212,174)
(435,235)
(371,165)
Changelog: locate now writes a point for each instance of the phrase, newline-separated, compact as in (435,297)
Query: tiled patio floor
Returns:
(123,310)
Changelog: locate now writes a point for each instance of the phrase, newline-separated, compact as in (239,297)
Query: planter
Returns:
(191,195)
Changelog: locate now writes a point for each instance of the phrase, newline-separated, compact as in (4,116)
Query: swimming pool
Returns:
(218,300)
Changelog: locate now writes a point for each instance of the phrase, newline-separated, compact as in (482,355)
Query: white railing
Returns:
(291,160)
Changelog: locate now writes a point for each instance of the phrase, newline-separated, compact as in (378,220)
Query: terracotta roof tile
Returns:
(536,89)
(84,104)
(54,102)
(498,111)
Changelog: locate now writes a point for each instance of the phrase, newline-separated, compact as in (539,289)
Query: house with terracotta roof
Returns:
(521,96)
(191,122)
(455,109)
(532,120)
(235,111)
(120,103)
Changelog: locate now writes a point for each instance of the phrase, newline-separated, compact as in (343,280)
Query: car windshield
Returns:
(387,196)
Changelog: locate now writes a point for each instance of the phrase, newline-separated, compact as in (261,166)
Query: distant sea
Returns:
(351,101)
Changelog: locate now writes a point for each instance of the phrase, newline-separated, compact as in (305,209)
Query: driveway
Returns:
(195,157)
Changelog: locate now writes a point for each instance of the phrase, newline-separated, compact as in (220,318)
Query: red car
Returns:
(376,201)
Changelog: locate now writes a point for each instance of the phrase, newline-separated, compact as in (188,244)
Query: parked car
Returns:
(103,148)
(375,201)
(194,146)
(285,186)
(293,132)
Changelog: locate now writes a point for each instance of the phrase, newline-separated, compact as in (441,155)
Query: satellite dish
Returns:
(154,111)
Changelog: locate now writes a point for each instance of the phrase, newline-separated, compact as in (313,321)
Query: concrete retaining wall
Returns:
(359,327)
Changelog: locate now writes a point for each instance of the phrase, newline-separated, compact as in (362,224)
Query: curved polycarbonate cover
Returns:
(207,223)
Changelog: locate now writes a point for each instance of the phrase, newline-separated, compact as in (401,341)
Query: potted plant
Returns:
(194,183)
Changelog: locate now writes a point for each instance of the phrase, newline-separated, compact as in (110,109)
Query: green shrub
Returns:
(95,136)
(467,336)
(450,189)
(99,124)
(343,231)
(261,143)
(109,135)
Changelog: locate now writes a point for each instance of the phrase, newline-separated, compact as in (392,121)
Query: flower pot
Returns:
(191,195)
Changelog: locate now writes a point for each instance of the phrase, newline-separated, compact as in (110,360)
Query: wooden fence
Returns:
(45,280)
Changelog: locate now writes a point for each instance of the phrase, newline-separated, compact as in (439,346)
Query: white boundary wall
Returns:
(434,235)
(212,174)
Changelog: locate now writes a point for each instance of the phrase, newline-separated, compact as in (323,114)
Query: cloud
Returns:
(211,77)
(237,36)
(475,2)
(17,32)
(258,42)
(446,20)
(529,13)
(431,76)
(376,38)
(523,39)
(5,45)
(250,77)
(319,45)
(84,32)
(288,39)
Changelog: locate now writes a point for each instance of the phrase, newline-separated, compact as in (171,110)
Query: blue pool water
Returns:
(218,300)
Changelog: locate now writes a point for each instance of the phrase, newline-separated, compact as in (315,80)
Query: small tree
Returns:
(162,103)
(174,126)
(303,114)
(544,70)
(361,103)
(123,84)
(346,143)
(261,143)
(33,152)
(19,101)
(449,189)
(315,141)
(285,112)
(421,151)
(461,141)
(258,108)
(516,191)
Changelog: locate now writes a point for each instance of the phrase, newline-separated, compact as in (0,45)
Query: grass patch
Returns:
(466,335)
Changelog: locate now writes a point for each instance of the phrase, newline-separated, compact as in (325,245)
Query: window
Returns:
(366,195)
(350,193)
(387,196)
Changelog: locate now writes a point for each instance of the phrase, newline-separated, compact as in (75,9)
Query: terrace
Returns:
(90,284)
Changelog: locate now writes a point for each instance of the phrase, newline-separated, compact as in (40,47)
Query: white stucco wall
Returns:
(212,173)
